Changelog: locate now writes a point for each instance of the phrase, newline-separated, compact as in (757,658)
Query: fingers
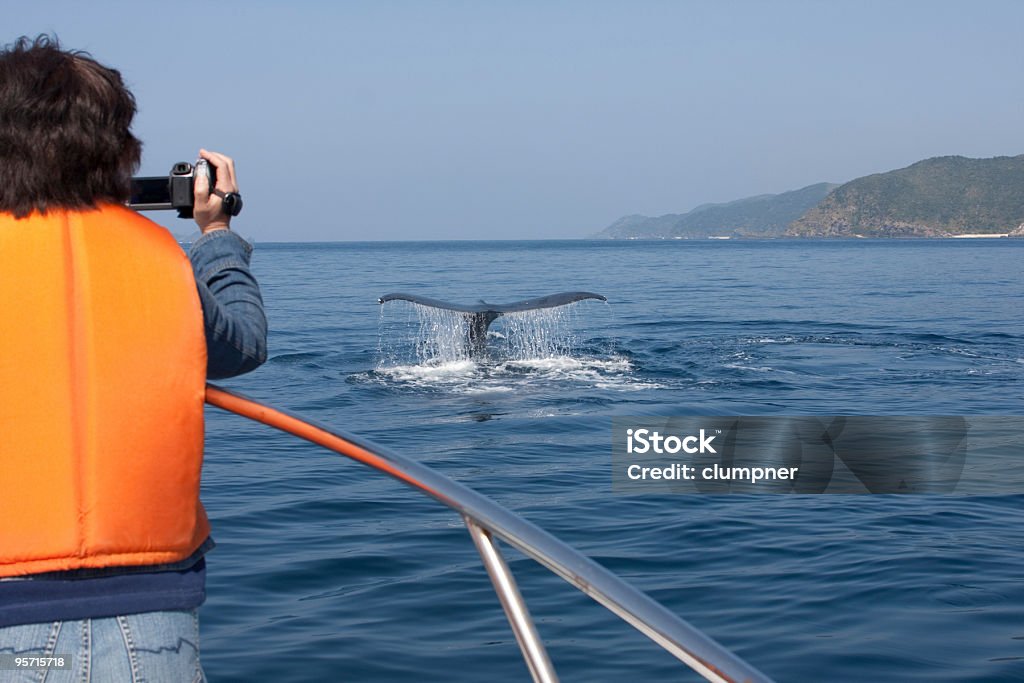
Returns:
(225,166)
(207,210)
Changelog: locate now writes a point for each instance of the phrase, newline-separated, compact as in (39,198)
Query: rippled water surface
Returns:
(326,570)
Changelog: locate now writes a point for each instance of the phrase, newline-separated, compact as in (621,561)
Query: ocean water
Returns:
(327,571)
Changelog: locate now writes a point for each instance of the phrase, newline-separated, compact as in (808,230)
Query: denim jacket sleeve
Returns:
(233,317)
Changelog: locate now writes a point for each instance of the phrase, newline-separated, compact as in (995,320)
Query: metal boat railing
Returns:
(486,520)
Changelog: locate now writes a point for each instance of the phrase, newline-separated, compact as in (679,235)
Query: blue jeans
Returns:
(155,647)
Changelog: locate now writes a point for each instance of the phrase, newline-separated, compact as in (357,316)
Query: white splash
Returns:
(542,333)
(431,349)
(441,336)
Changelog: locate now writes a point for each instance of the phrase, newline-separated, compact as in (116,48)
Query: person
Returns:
(109,334)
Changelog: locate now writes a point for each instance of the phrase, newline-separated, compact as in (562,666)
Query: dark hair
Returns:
(65,138)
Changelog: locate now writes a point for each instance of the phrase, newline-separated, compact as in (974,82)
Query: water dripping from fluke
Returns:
(531,328)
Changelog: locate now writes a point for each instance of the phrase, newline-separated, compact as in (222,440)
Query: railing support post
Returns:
(512,602)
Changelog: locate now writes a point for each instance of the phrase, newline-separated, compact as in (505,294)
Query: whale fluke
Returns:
(482,314)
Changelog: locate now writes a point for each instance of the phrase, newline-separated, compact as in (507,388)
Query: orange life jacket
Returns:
(102,378)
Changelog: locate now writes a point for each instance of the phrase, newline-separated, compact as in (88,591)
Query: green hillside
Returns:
(932,198)
(761,216)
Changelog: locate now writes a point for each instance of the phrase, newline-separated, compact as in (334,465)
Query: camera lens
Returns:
(182,168)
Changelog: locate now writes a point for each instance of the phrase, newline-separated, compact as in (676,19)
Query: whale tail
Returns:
(480,315)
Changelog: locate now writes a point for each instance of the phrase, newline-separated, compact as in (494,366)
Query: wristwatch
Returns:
(232,202)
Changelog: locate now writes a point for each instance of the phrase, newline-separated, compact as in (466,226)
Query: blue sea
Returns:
(326,570)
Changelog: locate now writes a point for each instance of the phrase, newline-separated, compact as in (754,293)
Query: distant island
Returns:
(941,197)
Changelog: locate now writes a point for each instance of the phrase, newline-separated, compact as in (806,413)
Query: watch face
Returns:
(232,203)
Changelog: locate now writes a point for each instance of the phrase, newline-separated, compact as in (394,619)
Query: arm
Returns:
(234,322)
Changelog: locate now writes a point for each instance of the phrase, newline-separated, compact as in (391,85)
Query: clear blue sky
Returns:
(508,120)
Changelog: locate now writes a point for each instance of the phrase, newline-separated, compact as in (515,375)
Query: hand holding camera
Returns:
(207,191)
(214,206)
